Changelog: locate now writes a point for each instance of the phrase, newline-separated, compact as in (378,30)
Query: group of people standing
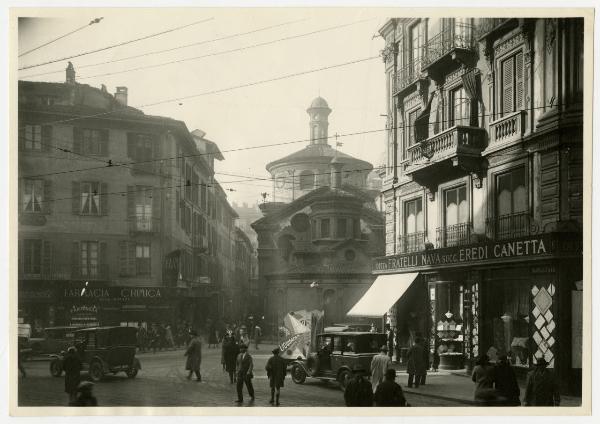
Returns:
(159,336)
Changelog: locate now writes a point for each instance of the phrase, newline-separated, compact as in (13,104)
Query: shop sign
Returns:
(115,293)
(528,247)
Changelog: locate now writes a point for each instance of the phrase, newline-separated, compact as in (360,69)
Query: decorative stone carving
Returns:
(389,53)
(550,29)
(509,44)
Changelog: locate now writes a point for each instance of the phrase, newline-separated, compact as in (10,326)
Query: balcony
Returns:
(454,43)
(406,76)
(510,226)
(493,26)
(143,224)
(446,152)
(454,235)
(200,244)
(413,242)
(505,131)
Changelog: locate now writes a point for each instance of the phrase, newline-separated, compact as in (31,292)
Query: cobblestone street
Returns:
(162,382)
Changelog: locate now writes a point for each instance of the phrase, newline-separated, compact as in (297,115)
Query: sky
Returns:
(266,113)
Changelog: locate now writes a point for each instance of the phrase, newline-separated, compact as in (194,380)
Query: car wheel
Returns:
(131,372)
(344,379)
(56,368)
(298,374)
(96,371)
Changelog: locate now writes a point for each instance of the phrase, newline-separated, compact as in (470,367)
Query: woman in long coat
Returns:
(416,366)
(230,351)
(194,356)
(72,367)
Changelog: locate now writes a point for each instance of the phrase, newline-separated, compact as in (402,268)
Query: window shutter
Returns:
(131,145)
(46,138)
(123,258)
(131,190)
(75,255)
(103,199)
(48,197)
(77,140)
(75,198)
(104,142)
(507,85)
(131,258)
(22,138)
(47,258)
(519,81)
(156,197)
(102,260)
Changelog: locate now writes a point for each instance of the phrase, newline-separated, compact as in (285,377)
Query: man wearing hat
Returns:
(541,387)
(379,365)
(85,397)
(276,370)
(194,356)
(358,391)
(244,366)
(389,393)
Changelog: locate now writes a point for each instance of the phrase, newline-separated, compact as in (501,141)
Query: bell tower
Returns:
(319,120)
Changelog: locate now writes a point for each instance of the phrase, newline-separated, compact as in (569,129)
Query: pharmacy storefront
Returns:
(519,297)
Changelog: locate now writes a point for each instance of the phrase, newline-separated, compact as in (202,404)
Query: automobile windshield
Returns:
(369,343)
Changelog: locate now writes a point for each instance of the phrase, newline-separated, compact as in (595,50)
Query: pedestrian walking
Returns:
(359,391)
(244,367)
(505,383)
(230,352)
(85,396)
(141,337)
(276,371)
(389,393)
(257,336)
(415,366)
(390,342)
(212,336)
(194,356)
(484,377)
(379,366)
(425,361)
(72,367)
(169,337)
(541,387)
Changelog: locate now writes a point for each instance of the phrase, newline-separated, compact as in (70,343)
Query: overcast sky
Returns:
(262,114)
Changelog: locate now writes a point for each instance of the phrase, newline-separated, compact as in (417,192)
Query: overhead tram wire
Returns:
(226,37)
(123,43)
(92,22)
(116,165)
(222,52)
(222,90)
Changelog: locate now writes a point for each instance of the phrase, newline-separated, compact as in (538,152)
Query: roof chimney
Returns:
(121,96)
(70,71)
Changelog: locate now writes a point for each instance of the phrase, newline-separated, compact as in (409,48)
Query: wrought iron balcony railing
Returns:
(65,271)
(458,36)
(407,75)
(488,25)
(413,242)
(454,235)
(511,226)
(143,224)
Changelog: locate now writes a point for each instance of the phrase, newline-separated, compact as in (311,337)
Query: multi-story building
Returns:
(120,217)
(317,238)
(484,188)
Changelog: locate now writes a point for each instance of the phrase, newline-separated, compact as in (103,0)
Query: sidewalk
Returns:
(456,386)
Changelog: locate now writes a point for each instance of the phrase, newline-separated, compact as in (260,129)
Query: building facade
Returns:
(316,240)
(483,188)
(120,217)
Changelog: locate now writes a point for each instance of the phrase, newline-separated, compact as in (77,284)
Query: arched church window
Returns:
(307,180)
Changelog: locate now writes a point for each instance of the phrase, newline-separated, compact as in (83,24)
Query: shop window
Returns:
(460,107)
(307,180)
(511,84)
(341,228)
(33,195)
(32,256)
(512,216)
(89,259)
(142,259)
(414,234)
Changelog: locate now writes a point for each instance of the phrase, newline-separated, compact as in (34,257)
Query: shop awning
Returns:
(383,293)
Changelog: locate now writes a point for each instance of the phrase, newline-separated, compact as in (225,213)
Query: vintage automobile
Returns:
(335,356)
(103,350)
(53,340)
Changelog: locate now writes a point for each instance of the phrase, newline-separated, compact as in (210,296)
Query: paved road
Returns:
(162,382)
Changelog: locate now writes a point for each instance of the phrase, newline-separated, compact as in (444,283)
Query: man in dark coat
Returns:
(194,356)
(541,387)
(85,398)
(230,352)
(244,366)
(359,391)
(276,370)
(389,393)
(416,367)
(506,384)
(72,367)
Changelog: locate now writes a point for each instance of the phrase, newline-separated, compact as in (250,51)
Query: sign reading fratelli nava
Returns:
(542,246)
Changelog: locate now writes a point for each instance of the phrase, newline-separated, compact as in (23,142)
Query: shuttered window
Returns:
(90,141)
(512,84)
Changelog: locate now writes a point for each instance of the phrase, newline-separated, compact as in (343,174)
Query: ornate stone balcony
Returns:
(436,156)
(505,131)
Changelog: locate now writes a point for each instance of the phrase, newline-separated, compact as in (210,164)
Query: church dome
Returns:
(319,102)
